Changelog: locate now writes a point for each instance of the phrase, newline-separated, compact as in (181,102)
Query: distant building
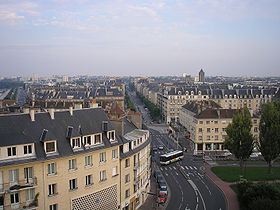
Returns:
(201,76)
(206,123)
(65,78)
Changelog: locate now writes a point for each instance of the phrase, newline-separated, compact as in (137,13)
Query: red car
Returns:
(162,197)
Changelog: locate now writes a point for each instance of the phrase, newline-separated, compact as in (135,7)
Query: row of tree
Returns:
(241,142)
(154,110)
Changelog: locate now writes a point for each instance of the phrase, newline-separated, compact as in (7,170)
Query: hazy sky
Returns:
(224,37)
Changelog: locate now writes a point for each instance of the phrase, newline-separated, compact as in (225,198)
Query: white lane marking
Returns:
(190,167)
(166,174)
(194,167)
(166,169)
(182,167)
(176,173)
(196,189)
(187,167)
(161,168)
(174,167)
(170,168)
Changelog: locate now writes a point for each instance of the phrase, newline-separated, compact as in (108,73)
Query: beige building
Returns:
(71,160)
(206,123)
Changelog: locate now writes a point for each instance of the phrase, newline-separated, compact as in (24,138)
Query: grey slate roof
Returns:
(19,129)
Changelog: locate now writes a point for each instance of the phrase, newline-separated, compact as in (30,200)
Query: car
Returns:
(255,155)
(160,147)
(162,197)
(162,187)
(159,178)
(157,173)
(227,153)
(154,148)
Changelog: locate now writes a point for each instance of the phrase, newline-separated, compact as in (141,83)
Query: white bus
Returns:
(171,157)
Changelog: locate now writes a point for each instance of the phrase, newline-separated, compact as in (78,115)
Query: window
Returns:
(216,137)
(97,139)
(215,122)
(255,129)
(87,140)
(12,151)
(127,162)
(115,171)
(103,176)
(72,164)
(28,174)
(200,122)
(50,147)
(200,138)
(13,176)
(30,194)
(207,122)
(127,178)
(114,153)
(111,135)
(27,149)
(73,184)
(76,143)
(208,130)
(200,130)
(51,168)
(224,129)
(88,160)
(53,207)
(216,130)
(208,138)
(127,193)
(14,198)
(102,157)
(52,189)
(89,180)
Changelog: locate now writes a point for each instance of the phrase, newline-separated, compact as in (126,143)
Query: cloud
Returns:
(145,10)
(14,12)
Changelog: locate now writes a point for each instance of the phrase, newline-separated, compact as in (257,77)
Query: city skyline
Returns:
(140,38)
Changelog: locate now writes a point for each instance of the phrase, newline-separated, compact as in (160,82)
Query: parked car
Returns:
(162,197)
(157,173)
(162,187)
(159,178)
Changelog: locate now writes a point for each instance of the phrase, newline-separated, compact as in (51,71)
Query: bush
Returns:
(262,204)
(249,194)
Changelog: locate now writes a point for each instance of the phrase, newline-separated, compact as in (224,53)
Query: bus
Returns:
(171,157)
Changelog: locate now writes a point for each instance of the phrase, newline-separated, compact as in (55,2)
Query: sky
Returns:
(140,38)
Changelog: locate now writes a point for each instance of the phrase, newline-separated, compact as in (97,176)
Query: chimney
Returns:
(219,113)
(32,114)
(51,112)
(71,110)
(93,104)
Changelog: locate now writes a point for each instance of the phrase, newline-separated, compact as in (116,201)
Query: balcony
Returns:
(28,205)
(18,185)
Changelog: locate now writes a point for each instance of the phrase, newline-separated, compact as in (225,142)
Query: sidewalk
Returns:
(230,195)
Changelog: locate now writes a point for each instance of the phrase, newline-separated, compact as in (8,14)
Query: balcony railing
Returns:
(28,205)
(18,185)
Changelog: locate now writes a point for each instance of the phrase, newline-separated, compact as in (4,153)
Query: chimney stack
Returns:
(71,110)
(32,114)
(51,112)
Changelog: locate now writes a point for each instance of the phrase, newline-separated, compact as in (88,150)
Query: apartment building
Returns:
(69,160)
(206,123)
(172,99)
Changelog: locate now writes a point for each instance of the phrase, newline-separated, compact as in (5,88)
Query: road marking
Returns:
(194,167)
(187,167)
(182,167)
(176,173)
(190,167)
(161,169)
(174,167)
(197,190)
(170,168)
(166,169)
(166,174)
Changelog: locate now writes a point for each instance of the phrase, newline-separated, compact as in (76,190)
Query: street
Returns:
(189,188)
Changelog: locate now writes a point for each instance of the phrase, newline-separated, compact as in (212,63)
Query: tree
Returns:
(269,141)
(239,139)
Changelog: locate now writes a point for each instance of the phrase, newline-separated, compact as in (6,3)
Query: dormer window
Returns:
(87,140)
(12,151)
(97,138)
(50,147)
(111,135)
(76,143)
(27,149)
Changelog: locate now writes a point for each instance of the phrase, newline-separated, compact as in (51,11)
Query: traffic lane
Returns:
(211,194)
(182,195)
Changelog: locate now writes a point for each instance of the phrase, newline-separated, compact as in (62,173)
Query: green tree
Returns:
(239,139)
(269,141)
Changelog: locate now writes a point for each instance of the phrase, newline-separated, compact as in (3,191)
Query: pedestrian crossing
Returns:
(174,168)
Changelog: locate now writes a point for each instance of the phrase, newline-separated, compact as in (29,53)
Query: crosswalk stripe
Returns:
(190,167)
(176,173)
(187,167)
(182,167)
(194,167)
(174,167)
